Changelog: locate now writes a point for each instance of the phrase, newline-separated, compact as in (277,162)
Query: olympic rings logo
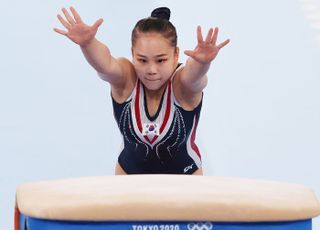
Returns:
(200,226)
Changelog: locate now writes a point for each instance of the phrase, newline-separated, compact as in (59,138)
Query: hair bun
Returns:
(162,13)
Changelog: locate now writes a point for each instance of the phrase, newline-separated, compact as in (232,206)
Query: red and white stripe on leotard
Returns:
(192,148)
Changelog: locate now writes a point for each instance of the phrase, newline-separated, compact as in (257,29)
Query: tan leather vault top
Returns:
(166,197)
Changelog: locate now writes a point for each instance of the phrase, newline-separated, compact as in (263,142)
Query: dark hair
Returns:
(159,23)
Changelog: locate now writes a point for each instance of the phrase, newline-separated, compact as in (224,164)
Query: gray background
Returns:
(261,112)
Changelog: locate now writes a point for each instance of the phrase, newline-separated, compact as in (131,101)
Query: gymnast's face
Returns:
(154,59)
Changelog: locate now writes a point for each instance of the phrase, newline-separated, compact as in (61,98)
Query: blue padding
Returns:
(40,224)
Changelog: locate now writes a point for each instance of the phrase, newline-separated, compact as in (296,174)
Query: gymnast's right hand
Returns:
(77,30)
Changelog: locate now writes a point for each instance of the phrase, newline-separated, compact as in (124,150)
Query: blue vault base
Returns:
(28,223)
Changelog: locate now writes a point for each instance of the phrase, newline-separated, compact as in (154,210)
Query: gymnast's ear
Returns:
(177,50)
(176,54)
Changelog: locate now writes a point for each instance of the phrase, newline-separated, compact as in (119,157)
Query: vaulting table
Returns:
(164,202)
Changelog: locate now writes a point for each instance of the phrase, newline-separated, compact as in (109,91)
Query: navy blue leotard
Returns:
(162,144)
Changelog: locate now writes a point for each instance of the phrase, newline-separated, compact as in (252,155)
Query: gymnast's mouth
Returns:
(152,79)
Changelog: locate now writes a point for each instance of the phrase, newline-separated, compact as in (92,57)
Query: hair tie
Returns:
(161,13)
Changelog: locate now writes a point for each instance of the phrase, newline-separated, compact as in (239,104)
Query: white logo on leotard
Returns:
(186,169)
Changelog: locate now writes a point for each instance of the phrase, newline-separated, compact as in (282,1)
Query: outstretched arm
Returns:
(96,53)
(193,76)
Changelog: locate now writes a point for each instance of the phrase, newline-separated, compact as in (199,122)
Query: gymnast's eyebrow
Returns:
(156,56)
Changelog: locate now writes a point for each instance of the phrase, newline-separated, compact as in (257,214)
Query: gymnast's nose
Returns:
(152,69)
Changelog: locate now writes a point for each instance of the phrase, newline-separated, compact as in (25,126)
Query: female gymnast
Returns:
(156,100)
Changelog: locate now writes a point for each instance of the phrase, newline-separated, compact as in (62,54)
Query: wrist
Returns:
(88,43)
(200,64)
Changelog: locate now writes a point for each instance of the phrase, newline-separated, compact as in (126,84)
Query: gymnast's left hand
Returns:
(206,50)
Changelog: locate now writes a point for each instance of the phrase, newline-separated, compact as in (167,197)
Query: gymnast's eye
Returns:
(142,60)
(162,60)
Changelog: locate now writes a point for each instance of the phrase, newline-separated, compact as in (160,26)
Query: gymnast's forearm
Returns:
(99,57)
(195,76)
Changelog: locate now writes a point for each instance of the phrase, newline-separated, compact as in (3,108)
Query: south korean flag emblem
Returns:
(150,130)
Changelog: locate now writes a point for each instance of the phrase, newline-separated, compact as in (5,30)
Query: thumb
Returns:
(189,53)
(97,23)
